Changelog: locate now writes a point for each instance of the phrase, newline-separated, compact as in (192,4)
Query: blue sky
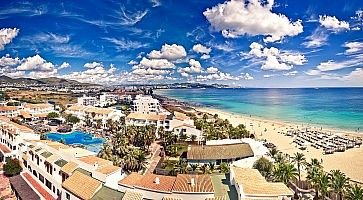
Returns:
(245,43)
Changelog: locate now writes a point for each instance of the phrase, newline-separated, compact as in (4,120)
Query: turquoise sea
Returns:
(340,108)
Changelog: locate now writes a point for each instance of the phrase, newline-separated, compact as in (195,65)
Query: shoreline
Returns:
(349,162)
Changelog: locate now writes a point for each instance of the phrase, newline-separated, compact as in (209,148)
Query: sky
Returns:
(240,43)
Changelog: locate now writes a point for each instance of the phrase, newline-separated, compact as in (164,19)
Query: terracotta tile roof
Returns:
(153,117)
(171,198)
(4,149)
(39,105)
(81,185)
(8,108)
(41,115)
(149,182)
(25,114)
(109,169)
(131,179)
(253,183)
(187,125)
(69,167)
(4,119)
(184,184)
(38,187)
(129,195)
(8,124)
(216,152)
(22,188)
(92,160)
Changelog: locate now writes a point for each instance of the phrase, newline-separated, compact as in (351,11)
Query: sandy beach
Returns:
(350,162)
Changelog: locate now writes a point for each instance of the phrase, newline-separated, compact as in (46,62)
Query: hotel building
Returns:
(145,105)
(12,137)
(9,111)
(87,101)
(95,113)
(38,111)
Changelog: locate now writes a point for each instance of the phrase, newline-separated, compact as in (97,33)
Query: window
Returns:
(68,196)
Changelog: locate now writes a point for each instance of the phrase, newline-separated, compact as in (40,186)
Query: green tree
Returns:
(12,167)
(285,172)
(194,167)
(106,152)
(62,141)
(339,182)
(264,166)
(224,168)
(273,152)
(354,193)
(72,119)
(323,184)
(43,137)
(52,115)
(313,176)
(300,160)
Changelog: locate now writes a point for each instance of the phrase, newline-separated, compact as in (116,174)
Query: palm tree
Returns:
(323,184)
(211,166)
(314,174)
(194,167)
(106,152)
(300,160)
(339,182)
(224,167)
(354,193)
(273,152)
(204,168)
(285,172)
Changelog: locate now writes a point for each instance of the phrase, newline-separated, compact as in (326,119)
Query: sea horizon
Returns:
(295,105)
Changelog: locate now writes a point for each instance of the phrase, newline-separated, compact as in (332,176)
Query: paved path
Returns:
(155,158)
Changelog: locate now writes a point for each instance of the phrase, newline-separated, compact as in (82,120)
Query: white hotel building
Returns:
(12,136)
(145,105)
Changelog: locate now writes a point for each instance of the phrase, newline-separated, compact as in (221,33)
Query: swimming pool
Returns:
(79,137)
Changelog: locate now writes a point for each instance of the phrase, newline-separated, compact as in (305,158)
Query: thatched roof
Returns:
(218,152)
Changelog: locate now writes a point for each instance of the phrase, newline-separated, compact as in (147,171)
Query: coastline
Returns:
(349,162)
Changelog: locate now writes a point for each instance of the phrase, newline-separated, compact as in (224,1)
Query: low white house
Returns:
(9,111)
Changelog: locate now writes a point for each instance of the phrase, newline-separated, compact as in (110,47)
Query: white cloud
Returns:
(36,63)
(292,73)
(51,38)
(333,65)
(246,76)
(128,18)
(317,39)
(353,47)
(156,3)
(274,59)
(7,61)
(98,75)
(272,63)
(205,57)
(155,64)
(7,35)
(194,67)
(169,52)
(220,76)
(93,65)
(132,62)
(269,75)
(313,72)
(333,24)
(149,71)
(123,44)
(199,48)
(355,76)
(238,18)
(64,65)
(212,70)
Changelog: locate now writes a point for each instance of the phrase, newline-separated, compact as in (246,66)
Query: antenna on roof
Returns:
(192,182)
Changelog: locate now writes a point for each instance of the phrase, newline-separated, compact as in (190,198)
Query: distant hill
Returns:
(46,81)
